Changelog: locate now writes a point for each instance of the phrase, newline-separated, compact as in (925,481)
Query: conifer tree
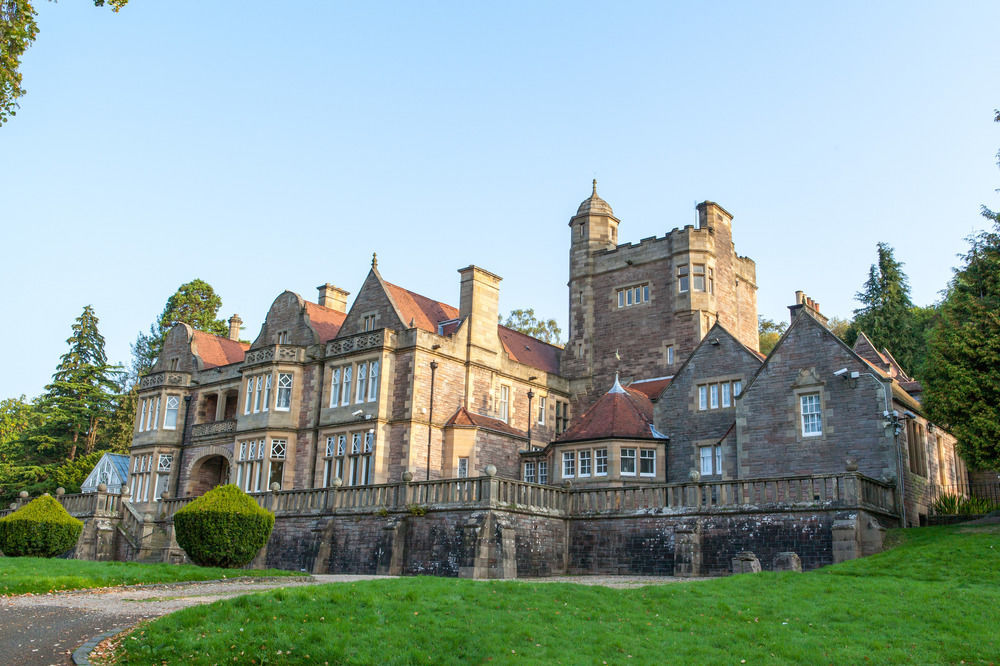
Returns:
(886,312)
(81,396)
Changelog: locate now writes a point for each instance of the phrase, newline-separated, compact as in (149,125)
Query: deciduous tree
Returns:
(525,322)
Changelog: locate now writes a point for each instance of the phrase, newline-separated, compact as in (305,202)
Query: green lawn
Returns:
(19,575)
(933,599)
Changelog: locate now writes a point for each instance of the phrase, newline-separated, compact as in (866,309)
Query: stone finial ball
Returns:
(102,487)
(60,491)
(126,491)
(491,470)
(567,484)
(23,494)
(694,475)
(851,465)
(165,494)
(337,482)
(275,486)
(407,476)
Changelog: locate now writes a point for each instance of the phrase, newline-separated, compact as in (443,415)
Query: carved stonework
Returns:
(355,343)
(149,381)
(259,356)
(215,428)
(288,354)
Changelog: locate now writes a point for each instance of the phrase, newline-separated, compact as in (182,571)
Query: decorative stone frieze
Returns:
(357,342)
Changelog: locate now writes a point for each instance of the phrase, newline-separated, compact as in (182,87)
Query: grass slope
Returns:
(19,575)
(933,599)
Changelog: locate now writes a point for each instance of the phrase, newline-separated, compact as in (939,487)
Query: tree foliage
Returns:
(18,30)
(196,304)
(769,332)
(526,322)
(886,312)
(963,364)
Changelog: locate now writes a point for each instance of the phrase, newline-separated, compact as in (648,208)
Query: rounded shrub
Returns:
(40,528)
(225,527)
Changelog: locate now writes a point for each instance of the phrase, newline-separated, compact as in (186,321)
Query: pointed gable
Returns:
(620,413)
(463,418)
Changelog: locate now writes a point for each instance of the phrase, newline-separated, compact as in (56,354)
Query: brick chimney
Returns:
(332,297)
(234,327)
(479,305)
(803,301)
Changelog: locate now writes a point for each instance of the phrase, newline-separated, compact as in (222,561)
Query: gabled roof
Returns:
(325,321)
(425,313)
(528,350)
(652,388)
(621,413)
(216,350)
(463,418)
(120,463)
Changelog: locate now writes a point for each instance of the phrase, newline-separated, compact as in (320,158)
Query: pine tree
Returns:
(81,396)
(963,361)
(886,315)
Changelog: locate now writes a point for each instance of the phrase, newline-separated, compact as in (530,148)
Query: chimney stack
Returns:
(803,301)
(332,297)
(234,327)
(479,305)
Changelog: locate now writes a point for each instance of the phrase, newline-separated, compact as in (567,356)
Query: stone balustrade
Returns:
(213,428)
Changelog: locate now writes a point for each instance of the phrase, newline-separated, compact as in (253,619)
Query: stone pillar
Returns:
(391,555)
(846,544)
(745,562)
(787,561)
(220,404)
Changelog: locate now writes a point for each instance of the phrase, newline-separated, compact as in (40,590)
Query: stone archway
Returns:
(207,473)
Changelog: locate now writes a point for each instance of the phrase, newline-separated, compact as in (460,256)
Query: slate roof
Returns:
(216,350)
(621,413)
(465,418)
(325,321)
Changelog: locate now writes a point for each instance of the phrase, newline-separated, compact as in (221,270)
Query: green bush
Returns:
(41,528)
(225,527)
(956,505)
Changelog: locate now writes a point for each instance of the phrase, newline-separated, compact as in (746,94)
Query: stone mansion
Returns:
(660,382)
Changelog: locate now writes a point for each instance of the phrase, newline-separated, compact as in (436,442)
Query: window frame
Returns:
(283,391)
(647,455)
(813,425)
(601,462)
(627,454)
(569,463)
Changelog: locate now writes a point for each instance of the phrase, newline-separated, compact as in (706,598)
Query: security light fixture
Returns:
(358,413)
(840,373)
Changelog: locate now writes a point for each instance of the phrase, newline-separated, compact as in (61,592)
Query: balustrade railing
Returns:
(213,428)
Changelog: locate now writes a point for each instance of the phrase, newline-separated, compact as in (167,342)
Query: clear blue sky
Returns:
(271,146)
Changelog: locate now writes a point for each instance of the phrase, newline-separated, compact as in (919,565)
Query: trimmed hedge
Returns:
(40,528)
(225,527)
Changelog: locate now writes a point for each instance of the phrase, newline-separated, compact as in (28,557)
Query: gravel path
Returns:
(44,629)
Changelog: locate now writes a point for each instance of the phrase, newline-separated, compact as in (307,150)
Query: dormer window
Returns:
(174,363)
(282,337)
(368,323)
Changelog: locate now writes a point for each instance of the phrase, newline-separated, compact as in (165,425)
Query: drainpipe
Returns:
(531,394)
(184,442)
(430,419)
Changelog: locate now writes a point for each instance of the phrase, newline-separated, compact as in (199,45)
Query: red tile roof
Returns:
(463,418)
(425,313)
(216,350)
(325,321)
(652,388)
(621,413)
(528,350)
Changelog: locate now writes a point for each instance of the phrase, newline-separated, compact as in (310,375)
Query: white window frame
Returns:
(283,396)
(335,387)
(683,279)
(812,420)
(345,386)
(670,354)
(569,463)
(698,273)
(142,414)
(362,383)
(713,396)
(726,397)
(504,403)
(463,467)
(600,462)
(737,388)
(529,472)
(155,414)
(628,455)
(173,406)
(584,466)
(543,471)
(373,381)
(258,393)
(248,398)
(541,410)
(267,391)
(703,397)
(645,455)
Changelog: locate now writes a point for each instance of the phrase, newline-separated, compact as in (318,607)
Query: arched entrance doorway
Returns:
(207,473)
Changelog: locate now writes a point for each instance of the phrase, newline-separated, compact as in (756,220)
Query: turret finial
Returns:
(374,260)
(595,187)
